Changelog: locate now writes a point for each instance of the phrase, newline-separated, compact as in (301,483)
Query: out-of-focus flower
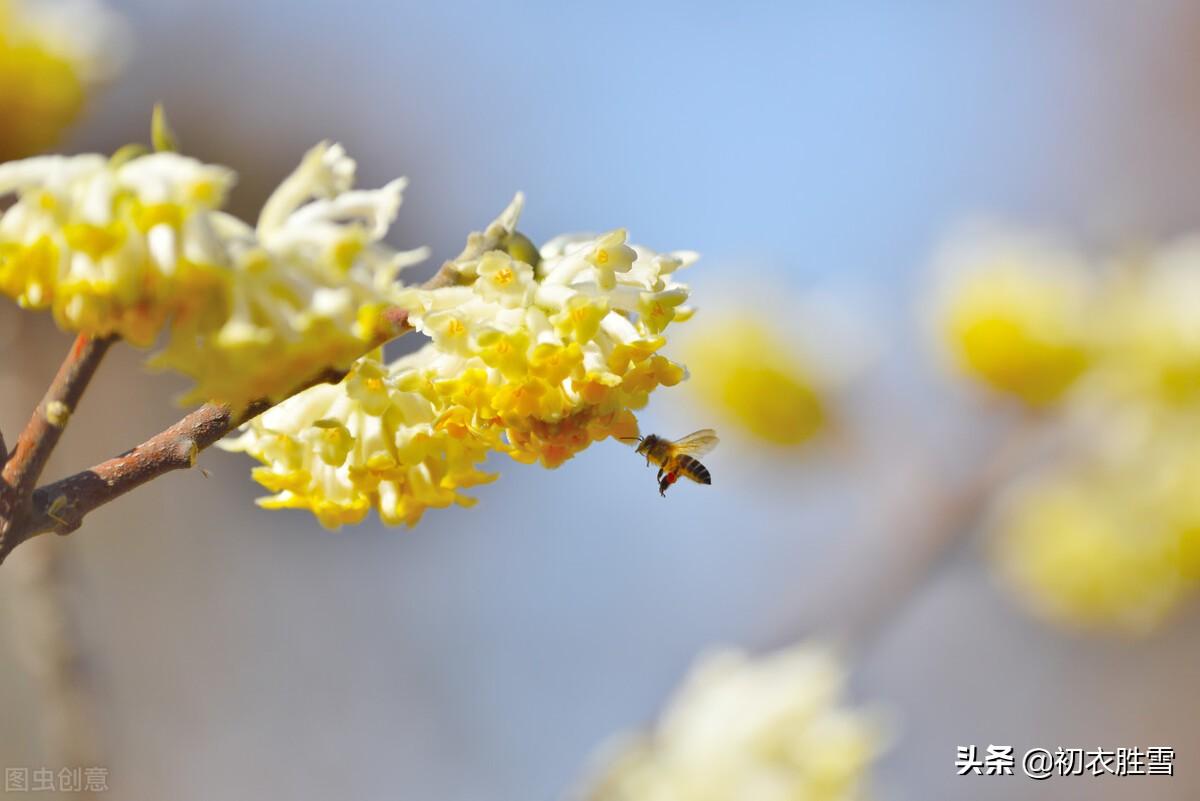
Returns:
(529,355)
(372,442)
(1014,310)
(1108,538)
(753,729)
(138,246)
(750,376)
(1092,551)
(52,52)
(1148,329)
(773,367)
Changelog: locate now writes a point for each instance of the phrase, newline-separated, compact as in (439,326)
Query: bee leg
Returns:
(660,474)
(665,482)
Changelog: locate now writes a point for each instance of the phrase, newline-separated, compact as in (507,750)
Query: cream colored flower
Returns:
(551,356)
(754,729)
(307,289)
(374,441)
(52,52)
(140,248)
(534,360)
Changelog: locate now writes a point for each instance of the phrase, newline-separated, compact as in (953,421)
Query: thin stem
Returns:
(61,506)
(934,539)
(42,432)
(23,467)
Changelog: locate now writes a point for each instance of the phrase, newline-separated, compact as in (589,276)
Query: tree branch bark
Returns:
(23,467)
(42,432)
(61,506)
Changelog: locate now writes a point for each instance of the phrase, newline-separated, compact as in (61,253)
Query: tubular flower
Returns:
(768,729)
(307,289)
(555,354)
(139,247)
(1013,311)
(374,441)
(51,53)
(528,356)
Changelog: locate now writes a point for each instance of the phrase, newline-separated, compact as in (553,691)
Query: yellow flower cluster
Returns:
(139,247)
(50,55)
(536,354)
(766,729)
(375,441)
(1089,550)
(752,374)
(1109,535)
(1014,312)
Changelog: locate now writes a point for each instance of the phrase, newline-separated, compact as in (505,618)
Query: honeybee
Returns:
(678,458)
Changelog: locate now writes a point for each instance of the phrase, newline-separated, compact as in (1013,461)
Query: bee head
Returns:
(641,448)
(646,443)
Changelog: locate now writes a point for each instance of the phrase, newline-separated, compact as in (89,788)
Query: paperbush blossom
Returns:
(375,441)
(138,247)
(1013,311)
(52,52)
(1107,534)
(774,365)
(1089,550)
(765,729)
(536,354)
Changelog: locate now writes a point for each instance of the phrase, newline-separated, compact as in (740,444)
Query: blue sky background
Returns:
(486,653)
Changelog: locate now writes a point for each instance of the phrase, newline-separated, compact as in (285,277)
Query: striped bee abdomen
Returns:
(691,467)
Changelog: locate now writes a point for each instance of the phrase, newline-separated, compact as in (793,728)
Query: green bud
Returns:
(520,248)
(161,135)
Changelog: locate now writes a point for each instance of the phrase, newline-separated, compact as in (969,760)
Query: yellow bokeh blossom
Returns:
(1092,550)
(51,55)
(534,360)
(1014,313)
(769,729)
(751,373)
(140,248)
(1149,329)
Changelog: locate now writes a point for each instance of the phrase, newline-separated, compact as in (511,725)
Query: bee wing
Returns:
(697,443)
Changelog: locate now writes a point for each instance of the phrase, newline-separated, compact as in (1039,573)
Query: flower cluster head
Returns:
(52,52)
(773,364)
(768,729)
(374,441)
(1013,310)
(1107,535)
(137,246)
(535,353)
(1085,550)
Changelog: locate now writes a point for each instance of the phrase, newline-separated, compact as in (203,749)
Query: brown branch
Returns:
(36,443)
(23,467)
(61,507)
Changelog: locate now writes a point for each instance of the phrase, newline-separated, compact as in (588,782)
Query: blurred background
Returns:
(807,151)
